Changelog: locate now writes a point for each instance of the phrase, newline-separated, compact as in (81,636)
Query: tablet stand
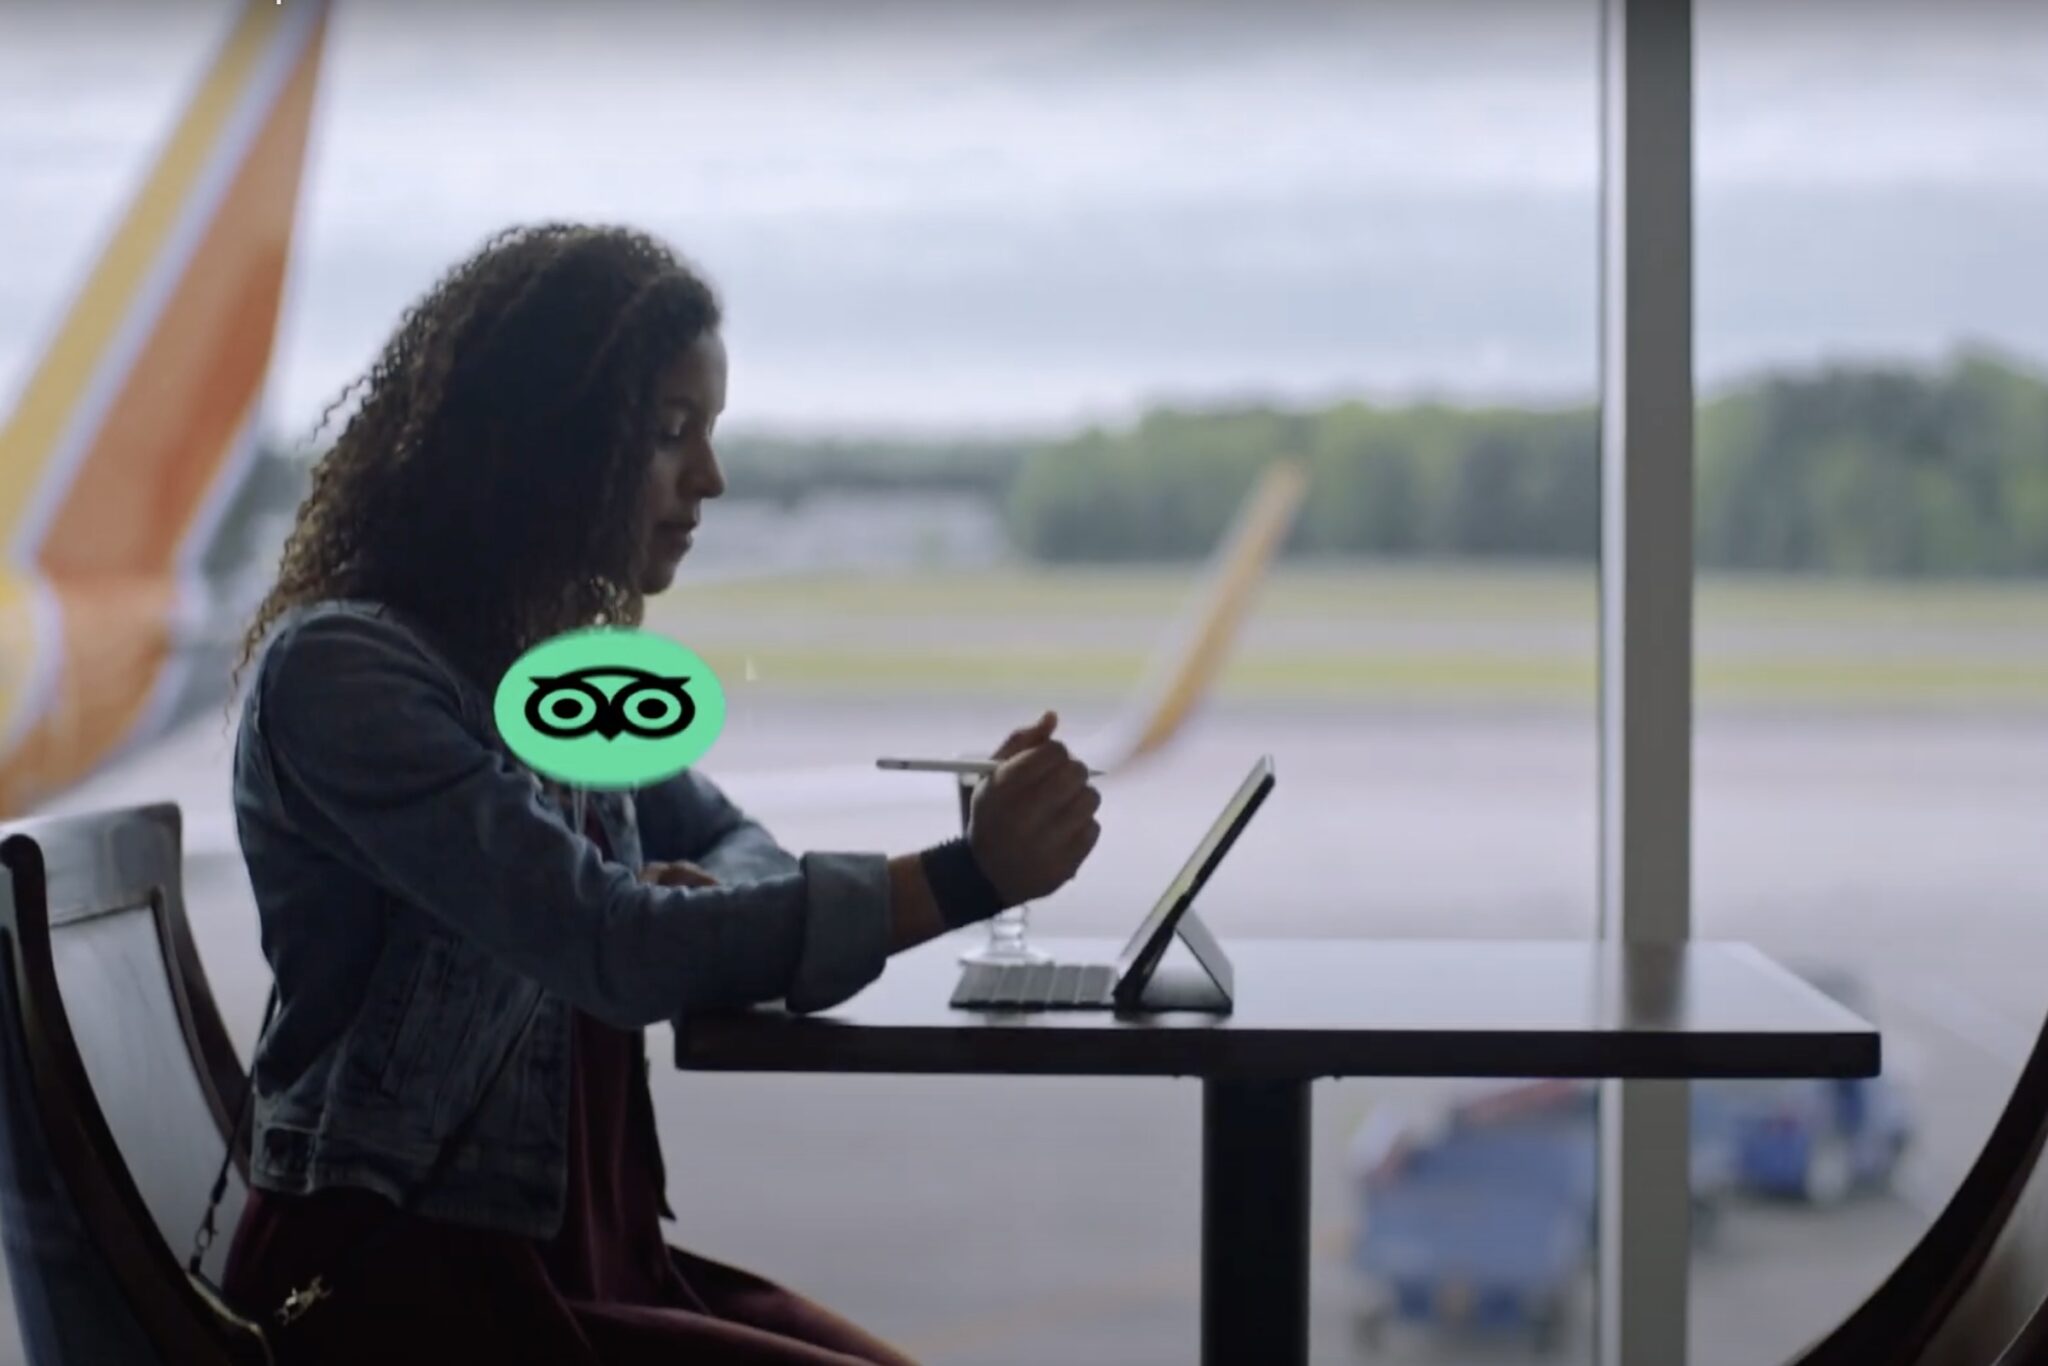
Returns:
(1183,987)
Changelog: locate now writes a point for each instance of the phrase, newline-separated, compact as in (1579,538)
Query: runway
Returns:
(993,1222)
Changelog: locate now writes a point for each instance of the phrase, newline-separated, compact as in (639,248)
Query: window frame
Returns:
(1646,642)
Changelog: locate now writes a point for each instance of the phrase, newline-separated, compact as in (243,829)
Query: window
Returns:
(1872,467)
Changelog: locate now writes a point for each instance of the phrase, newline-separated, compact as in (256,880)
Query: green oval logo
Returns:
(609,707)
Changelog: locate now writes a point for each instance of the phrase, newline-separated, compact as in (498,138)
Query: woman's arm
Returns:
(913,908)
(374,760)
(689,818)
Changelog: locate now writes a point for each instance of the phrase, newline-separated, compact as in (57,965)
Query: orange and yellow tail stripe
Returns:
(141,404)
(136,427)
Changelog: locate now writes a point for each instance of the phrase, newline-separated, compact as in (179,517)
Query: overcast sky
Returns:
(942,215)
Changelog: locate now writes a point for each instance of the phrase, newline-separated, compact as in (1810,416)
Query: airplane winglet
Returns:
(1180,675)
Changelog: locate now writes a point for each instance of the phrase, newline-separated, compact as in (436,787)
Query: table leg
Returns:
(1255,1181)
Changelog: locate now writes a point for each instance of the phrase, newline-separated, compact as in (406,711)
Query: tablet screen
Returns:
(1215,843)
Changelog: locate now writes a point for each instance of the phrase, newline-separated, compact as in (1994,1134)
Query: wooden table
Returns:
(1309,1008)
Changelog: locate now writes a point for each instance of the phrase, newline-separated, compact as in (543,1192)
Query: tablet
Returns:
(1142,954)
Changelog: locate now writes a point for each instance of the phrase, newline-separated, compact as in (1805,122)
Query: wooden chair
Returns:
(1974,1290)
(119,1087)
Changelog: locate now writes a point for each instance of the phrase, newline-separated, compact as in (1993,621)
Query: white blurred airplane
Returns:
(126,490)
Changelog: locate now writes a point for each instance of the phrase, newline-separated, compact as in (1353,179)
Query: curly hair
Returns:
(489,482)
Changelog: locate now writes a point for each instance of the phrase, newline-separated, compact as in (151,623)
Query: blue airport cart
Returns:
(1487,1227)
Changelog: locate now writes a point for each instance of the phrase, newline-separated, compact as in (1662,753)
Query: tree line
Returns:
(1856,469)
(1849,469)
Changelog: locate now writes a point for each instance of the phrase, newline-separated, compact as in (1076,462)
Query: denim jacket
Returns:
(421,896)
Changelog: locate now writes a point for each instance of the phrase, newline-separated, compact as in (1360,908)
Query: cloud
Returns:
(1106,196)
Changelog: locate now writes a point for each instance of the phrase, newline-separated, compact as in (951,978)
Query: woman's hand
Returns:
(1032,822)
(677,873)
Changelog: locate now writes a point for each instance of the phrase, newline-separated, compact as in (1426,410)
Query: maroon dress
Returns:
(606,1290)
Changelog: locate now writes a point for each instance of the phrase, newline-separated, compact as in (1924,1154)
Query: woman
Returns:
(455,1077)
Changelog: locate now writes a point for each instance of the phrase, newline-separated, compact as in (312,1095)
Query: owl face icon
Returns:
(570,706)
(609,707)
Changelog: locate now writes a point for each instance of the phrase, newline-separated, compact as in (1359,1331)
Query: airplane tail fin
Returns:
(136,429)
(1176,679)
(1181,673)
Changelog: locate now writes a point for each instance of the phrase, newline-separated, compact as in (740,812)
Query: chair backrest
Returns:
(121,1086)
(2030,1348)
(2001,1315)
(159,1058)
(1977,1281)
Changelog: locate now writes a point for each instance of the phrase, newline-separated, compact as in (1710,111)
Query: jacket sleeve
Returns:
(687,817)
(374,759)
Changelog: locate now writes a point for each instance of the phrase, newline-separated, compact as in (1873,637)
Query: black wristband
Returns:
(959,886)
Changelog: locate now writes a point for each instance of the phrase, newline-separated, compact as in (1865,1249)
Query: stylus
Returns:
(978,767)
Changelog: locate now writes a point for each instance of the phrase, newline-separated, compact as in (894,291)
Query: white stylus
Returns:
(978,767)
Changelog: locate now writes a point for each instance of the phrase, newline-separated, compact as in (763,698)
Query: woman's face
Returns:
(684,470)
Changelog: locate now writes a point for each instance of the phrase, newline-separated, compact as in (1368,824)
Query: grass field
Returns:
(1369,632)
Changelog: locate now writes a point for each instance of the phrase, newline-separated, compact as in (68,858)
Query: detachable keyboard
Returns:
(1036,986)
